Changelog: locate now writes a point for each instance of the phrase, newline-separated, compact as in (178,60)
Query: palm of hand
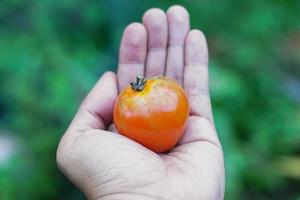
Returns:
(106,165)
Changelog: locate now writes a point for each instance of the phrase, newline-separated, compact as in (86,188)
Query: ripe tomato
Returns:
(152,112)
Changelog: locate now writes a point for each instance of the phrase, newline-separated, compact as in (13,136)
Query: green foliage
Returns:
(52,52)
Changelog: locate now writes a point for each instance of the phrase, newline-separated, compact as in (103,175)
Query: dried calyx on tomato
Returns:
(139,84)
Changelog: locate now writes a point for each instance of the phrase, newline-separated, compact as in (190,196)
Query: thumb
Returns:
(96,110)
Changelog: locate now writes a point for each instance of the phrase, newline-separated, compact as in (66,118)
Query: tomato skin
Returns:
(155,117)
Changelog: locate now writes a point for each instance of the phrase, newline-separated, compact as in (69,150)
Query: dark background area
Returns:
(53,51)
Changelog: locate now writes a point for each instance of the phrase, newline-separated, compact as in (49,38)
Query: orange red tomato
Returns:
(152,112)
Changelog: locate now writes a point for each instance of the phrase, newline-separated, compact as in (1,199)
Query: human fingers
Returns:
(178,26)
(132,54)
(95,112)
(196,75)
(155,20)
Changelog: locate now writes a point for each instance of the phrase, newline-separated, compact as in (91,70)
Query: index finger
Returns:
(132,54)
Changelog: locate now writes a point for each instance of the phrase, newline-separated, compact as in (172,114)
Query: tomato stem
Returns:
(139,84)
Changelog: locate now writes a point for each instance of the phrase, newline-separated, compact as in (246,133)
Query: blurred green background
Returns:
(53,51)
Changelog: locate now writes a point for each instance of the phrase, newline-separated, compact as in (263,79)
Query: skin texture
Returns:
(155,117)
(106,165)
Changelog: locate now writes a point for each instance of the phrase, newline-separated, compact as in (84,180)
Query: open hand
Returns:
(107,165)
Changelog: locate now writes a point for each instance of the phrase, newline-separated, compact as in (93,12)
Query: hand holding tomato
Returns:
(107,165)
